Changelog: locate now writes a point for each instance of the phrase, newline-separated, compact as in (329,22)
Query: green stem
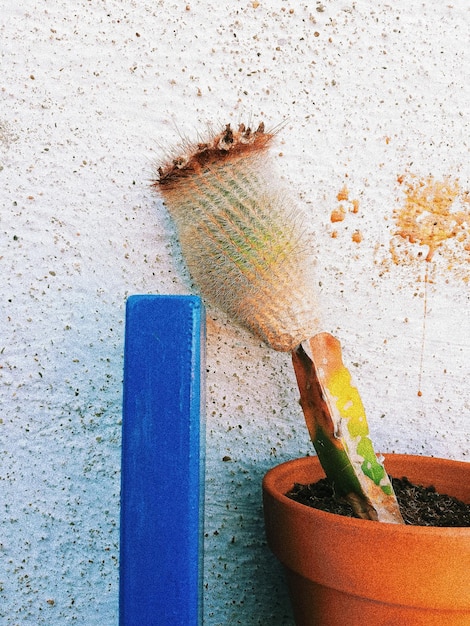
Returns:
(337,424)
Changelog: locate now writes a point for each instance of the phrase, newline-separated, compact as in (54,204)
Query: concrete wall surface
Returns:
(374,100)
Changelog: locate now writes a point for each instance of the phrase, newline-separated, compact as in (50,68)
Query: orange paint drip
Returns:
(357,236)
(428,217)
(343,194)
(423,338)
(337,215)
(435,215)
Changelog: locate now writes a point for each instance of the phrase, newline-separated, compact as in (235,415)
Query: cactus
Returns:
(245,246)
(242,241)
(337,424)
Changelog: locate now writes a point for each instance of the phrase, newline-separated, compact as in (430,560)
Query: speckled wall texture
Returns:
(374,100)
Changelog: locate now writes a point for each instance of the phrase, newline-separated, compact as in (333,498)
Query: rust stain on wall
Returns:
(356,236)
(337,215)
(431,222)
(435,219)
(345,206)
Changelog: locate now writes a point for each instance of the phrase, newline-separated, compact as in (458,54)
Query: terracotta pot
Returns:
(351,572)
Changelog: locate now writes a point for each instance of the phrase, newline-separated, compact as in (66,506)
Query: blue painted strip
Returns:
(162,462)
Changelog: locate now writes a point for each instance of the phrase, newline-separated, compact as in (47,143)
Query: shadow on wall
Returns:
(244,583)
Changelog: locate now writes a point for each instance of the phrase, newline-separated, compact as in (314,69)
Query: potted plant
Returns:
(342,570)
(245,246)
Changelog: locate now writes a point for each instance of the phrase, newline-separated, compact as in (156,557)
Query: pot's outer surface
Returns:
(350,569)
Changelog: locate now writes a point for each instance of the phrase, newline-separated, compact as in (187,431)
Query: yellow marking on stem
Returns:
(348,401)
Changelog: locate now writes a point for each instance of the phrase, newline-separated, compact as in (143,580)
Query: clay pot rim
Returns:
(277,476)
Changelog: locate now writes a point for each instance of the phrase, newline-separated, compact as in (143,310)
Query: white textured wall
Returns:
(89,92)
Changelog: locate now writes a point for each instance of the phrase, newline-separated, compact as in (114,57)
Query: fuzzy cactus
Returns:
(242,238)
(244,243)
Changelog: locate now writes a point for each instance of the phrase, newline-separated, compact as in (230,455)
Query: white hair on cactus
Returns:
(242,238)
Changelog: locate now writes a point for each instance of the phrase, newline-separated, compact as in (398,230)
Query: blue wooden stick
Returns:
(162,463)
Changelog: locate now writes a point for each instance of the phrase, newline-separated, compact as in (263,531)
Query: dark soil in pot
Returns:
(420,506)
